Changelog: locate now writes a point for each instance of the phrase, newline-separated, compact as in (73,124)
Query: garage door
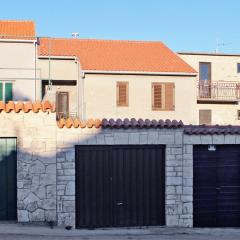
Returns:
(119,186)
(8,186)
(216,186)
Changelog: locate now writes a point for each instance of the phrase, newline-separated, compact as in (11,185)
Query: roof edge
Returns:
(139,73)
(210,54)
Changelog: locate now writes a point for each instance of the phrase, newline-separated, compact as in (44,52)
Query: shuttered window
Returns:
(163,96)
(122,94)
(205,117)
(6,91)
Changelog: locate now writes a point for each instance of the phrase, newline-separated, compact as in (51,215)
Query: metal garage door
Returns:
(8,188)
(216,186)
(119,186)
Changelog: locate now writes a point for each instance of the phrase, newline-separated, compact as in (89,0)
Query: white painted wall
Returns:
(17,64)
(100,97)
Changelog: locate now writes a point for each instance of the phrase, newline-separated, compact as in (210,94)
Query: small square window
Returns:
(238,67)
(238,114)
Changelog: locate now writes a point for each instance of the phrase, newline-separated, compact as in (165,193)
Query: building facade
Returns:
(218,89)
(118,79)
(18,73)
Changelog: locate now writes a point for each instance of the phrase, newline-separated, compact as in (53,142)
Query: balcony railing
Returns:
(224,91)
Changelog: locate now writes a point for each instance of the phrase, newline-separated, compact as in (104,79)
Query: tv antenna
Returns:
(220,44)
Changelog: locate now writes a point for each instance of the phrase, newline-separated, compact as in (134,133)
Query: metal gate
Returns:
(8,186)
(216,180)
(119,186)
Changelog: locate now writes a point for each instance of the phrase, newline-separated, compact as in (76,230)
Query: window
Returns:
(6,91)
(204,71)
(62,105)
(122,94)
(163,96)
(205,117)
(238,114)
(238,67)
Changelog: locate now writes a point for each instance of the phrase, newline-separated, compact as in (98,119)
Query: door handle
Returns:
(119,203)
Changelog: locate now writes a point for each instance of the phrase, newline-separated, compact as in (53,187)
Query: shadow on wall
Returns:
(46,161)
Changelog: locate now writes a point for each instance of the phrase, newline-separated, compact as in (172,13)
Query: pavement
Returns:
(34,232)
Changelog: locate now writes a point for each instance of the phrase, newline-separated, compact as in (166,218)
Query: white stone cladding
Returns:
(46,164)
(178,200)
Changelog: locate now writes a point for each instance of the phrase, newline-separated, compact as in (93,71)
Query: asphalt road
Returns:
(23,232)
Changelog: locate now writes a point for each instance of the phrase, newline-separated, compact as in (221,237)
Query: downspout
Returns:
(49,64)
(78,85)
(80,90)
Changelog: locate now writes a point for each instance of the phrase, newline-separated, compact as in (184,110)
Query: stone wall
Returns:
(178,195)
(36,163)
(46,164)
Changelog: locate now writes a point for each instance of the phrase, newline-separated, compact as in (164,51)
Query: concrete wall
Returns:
(17,64)
(60,69)
(100,97)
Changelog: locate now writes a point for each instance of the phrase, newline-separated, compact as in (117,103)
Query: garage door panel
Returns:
(130,192)
(220,171)
(93,206)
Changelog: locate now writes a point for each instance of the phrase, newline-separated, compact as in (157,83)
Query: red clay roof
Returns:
(116,55)
(26,107)
(12,29)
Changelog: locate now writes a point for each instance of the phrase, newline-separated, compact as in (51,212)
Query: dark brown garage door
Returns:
(119,186)
(216,197)
(8,185)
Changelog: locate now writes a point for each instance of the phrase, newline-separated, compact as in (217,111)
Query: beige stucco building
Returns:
(100,97)
(218,82)
(94,79)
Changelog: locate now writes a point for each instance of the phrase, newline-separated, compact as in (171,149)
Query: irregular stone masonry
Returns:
(46,158)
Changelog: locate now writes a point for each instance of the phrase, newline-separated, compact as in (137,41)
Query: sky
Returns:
(184,25)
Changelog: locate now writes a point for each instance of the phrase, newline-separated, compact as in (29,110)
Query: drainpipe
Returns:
(49,64)
(78,85)
(80,90)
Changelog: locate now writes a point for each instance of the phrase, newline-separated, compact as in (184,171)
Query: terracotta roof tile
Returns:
(12,29)
(26,107)
(116,55)
(119,123)
(210,130)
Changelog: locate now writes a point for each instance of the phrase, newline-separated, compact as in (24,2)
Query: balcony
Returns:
(218,91)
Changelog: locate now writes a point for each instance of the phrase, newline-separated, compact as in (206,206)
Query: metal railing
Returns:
(219,91)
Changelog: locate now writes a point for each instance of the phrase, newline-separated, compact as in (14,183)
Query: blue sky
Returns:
(184,25)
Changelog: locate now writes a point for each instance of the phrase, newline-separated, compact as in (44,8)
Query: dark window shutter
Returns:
(157,96)
(169,96)
(8,92)
(1,91)
(205,117)
(122,94)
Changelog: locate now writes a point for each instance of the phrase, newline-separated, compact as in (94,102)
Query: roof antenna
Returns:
(220,44)
(75,34)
